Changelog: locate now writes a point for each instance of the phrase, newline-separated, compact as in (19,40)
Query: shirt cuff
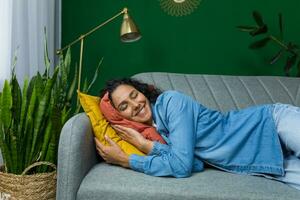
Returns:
(136,162)
(159,149)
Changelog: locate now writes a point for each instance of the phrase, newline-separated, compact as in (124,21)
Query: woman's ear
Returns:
(150,88)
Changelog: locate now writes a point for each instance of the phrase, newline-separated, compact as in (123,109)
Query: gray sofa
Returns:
(81,174)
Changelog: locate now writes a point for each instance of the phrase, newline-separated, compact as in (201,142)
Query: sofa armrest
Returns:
(76,156)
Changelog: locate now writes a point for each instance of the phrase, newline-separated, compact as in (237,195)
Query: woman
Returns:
(261,140)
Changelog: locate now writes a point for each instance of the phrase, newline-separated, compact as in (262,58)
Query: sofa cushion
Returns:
(100,125)
(112,182)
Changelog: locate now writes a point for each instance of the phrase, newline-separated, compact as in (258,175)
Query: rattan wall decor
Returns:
(179,7)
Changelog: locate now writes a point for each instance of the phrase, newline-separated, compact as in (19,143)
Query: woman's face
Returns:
(132,104)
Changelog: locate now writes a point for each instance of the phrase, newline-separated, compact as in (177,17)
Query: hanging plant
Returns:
(179,7)
(288,49)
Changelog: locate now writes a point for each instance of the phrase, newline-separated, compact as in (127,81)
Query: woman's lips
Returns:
(141,111)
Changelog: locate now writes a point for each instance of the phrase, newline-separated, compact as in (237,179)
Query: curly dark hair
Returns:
(150,91)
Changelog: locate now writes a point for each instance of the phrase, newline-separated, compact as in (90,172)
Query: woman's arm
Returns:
(134,137)
(175,159)
(178,113)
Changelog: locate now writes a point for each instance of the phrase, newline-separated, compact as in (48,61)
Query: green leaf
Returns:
(95,75)
(277,56)
(28,134)
(32,104)
(260,43)
(14,153)
(28,140)
(65,114)
(39,85)
(291,60)
(258,18)
(6,105)
(292,47)
(24,106)
(85,86)
(14,130)
(23,116)
(16,102)
(0,111)
(73,86)
(78,108)
(46,57)
(3,146)
(45,144)
(5,151)
(30,87)
(14,63)
(261,30)
(50,129)
(51,149)
(41,110)
(246,28)
(65,70)
(0,108)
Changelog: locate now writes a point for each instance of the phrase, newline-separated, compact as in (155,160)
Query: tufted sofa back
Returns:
(224,92)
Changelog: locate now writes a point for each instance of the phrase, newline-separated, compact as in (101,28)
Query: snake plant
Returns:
(31,118)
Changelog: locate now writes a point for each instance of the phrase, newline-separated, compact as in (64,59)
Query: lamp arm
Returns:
(81,37)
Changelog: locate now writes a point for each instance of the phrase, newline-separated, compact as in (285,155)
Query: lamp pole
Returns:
(81,39)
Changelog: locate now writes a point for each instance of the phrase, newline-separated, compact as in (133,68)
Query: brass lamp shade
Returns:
(129,31)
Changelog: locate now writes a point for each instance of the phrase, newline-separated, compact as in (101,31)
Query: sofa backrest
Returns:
(224,92)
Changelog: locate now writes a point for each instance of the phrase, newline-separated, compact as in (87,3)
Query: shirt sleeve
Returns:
(177,158)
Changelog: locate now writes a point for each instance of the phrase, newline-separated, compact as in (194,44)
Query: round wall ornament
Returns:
(179,7)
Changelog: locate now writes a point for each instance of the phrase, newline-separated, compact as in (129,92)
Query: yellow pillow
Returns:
(101,127)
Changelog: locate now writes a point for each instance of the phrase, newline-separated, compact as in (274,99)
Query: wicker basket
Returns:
(40,186)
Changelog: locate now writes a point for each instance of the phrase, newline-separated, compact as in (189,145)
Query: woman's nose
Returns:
(135,105)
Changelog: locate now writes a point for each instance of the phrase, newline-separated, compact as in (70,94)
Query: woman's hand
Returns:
(112,154)
(135,138)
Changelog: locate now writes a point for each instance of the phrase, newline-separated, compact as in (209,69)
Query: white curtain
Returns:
(5,38)
(22,24)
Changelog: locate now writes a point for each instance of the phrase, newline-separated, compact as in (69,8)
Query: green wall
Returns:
(204,42)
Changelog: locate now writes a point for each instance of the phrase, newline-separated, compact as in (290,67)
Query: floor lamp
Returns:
(129,33)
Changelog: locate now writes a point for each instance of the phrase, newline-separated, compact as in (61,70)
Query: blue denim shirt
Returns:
(244,141)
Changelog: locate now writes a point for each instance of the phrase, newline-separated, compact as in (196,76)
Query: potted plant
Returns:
(31,119)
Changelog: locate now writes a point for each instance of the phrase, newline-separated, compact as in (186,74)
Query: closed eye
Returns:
(133,94)
(123,106)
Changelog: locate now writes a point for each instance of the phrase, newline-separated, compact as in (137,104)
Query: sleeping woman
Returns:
(260,140)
